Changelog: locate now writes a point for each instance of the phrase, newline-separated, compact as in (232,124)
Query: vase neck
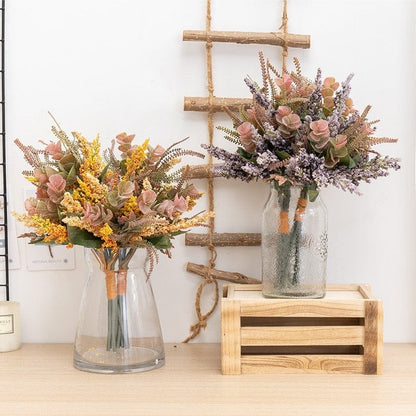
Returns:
(110,259)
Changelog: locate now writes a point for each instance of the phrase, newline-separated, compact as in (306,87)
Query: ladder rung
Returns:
(202,103)
(223,239)
(271,38)
(201,172)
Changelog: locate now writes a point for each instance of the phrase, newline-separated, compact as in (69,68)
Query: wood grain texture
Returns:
(200,172)
(223,239)
(271,38)
(230,338)
(39,380)
(304,307)
(299,335)
(217,105)
(234,277)
(269,364)
(373,337)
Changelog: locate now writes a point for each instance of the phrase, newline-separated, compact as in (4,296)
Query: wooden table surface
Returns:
(39,380)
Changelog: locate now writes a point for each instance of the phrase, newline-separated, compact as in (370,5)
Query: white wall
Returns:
(111,66)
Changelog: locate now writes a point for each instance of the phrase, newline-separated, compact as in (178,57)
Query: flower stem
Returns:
(296,232)
(283,246)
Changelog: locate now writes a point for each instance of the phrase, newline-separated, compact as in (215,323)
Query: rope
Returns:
(285,31)
(208,278)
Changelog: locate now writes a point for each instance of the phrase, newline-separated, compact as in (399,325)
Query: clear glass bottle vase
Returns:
(294,243)
(118,327)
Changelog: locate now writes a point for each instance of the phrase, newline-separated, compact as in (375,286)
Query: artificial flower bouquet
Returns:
(97,200)
(111,204)
(304,133)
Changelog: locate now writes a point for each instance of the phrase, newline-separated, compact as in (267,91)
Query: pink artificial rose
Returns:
(157,153)
(146,200)
(246,136)
(291,121)
(330,82)
(123,138)
(256,113)
(30,206)
(41,193)
(284,83)
(282,111)
(180,204)
(97,214)
(319,136)
(166,208)
(56,188)
(41,176)
(55,150)
(339,141)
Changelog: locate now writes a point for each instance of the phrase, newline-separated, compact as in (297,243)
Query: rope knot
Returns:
(202,324)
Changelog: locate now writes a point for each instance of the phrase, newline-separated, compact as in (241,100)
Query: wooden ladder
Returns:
(210,105)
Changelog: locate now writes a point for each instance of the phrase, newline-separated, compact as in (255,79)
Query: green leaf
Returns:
(72,175)
(244,154)
(282,155)
(83,238)
(101,177)
(161,242)
(174,234)
(312,194)
(348,161)
(113,199)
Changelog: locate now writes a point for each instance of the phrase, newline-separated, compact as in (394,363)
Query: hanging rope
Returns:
(284,28)
(208,278)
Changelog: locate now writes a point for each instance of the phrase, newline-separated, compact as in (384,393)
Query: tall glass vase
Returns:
(294,243)
(118,327)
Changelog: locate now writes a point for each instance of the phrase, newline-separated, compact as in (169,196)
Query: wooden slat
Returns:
(272,38)
(365,291)
(223,239)
(230,337)
(373,337)
(218,104)
(303,350)
(301,364)
(305,307)
(256,288)
(311,335)
(329,288)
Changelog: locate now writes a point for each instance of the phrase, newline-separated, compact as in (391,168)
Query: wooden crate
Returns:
(342,333)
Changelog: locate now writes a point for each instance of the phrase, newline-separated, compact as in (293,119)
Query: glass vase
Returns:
(118,327)
(294,243)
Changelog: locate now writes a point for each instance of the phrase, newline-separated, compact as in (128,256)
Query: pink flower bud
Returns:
(123,138)
(246,136)
(166,208)
(30,206)
(146,200)
(282,111)
(284,83)
(339,141)
(56,188)
(55,150)
(180,204)
(319,136)
(157,153)
(291,121)
(41,176)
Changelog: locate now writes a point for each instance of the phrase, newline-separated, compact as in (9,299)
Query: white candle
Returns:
(9,326)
